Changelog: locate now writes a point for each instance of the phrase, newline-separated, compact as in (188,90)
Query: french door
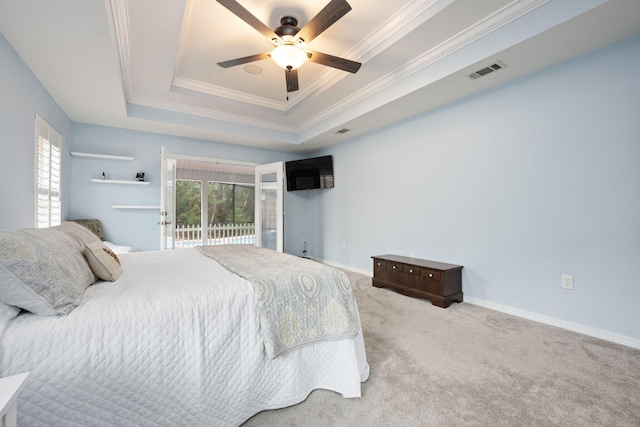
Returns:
(269,206)
(269,202)
(167,200)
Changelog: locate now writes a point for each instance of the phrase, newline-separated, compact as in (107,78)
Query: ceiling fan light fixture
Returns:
(289,57)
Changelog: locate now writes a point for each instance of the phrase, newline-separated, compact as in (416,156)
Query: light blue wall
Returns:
(138,228)
(520,184)
(21,97)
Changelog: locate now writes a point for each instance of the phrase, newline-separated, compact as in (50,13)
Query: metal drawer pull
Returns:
(410,271)
(379,263)
(394,267)
(430,275)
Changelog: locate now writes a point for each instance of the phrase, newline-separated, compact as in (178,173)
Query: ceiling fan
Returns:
(290,42)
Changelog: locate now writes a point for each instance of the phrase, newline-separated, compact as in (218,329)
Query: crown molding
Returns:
(208,89)
(120,26)
(493,22)
(210,114)
(396,27)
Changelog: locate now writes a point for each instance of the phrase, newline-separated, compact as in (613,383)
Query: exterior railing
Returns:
(188,236)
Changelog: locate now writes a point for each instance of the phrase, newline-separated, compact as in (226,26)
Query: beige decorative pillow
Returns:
(103,261)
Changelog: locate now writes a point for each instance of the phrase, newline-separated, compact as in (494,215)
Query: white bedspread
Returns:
(174,341)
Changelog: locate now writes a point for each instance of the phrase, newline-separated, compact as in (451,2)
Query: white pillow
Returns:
(119,249)
(103,261)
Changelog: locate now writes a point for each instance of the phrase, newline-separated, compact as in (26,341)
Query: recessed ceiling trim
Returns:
(184,36)
(120,25)
(399,25)
(413,15)
(493,22)
(498,19)
(392,30)
(200,87)
(396,27)
(207,113)
(476,31)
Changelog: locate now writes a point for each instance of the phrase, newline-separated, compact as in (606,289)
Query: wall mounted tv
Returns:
(307,174)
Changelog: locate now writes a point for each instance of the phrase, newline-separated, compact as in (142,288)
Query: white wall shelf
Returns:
(116,181)
(135,207)
(100,156)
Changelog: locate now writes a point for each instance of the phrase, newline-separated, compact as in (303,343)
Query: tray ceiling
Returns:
(152,65)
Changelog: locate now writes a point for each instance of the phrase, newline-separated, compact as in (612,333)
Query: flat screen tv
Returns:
(307,174)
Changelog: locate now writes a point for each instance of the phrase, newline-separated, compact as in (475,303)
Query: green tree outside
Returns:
(227,203)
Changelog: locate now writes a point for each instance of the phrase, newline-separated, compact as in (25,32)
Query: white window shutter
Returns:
(48,203)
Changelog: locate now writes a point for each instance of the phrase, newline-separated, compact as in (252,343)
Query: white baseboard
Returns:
(344,267)
(552,321)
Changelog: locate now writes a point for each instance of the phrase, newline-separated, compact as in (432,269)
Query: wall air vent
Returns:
(341,131)
(487,70)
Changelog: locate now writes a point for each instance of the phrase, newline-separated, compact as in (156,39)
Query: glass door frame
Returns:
(276,168)
(167,199)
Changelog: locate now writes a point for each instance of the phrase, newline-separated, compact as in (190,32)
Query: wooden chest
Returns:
(439,282)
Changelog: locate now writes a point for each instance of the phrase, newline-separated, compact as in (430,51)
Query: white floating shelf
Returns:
(115,181)
(135,207)
(101,156)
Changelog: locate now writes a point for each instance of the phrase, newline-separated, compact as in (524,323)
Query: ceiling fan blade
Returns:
(242,13)
(334,61)
(246,59)
(333,11)
(292,80)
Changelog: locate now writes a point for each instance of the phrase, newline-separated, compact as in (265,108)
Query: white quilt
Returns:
(174,341)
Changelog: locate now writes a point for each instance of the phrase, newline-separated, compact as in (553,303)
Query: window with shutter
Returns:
(48,204)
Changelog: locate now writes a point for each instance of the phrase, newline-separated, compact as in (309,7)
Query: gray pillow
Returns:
(42,270)
(94,225)
(83,235)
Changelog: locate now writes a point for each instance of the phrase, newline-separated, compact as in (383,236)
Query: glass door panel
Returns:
(269,206)
(167,200)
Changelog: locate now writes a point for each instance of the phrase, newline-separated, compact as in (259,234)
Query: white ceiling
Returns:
(151,64)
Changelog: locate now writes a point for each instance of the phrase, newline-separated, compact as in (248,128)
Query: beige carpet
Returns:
(470,366)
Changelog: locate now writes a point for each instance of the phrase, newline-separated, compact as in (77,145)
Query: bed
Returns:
(176,338)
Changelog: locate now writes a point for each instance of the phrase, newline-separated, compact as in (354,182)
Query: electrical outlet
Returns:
(567,281)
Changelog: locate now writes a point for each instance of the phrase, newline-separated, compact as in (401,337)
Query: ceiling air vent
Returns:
(486,70)
(341,131)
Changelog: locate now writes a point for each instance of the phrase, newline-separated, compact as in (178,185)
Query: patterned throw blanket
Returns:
(299,300)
